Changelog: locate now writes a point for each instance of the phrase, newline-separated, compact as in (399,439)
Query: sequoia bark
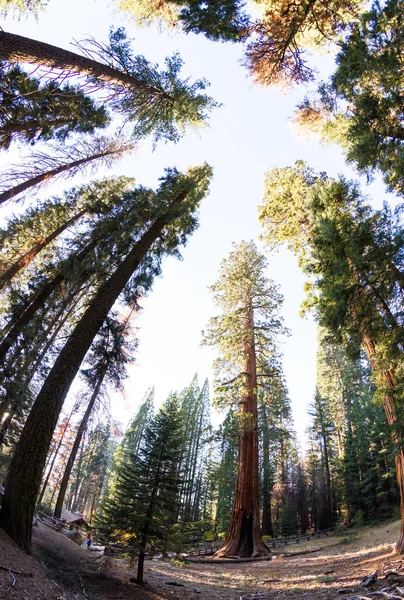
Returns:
(243,537)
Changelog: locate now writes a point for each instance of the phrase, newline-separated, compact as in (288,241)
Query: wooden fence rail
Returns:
(209,549)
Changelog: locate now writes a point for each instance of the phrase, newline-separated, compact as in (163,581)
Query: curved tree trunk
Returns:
(76,445)
(77,483)
(24,260)
(19,49)
(243,537)
(25,472)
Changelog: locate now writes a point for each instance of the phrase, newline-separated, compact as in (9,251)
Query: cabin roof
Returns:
(74,518)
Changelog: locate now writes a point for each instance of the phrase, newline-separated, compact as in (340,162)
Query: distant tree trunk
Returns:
(267,528)
(25,472)
(144,539)
(24,260)
(314,504)
(75,448)
(389,403)
(54,489)
(45,483)
(90,517)
(75,491)
(328,499)
(52,464)
(301,500)
(243,537)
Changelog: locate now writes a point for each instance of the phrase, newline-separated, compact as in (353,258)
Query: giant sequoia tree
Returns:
(169,217)
(355,257)
(245,335)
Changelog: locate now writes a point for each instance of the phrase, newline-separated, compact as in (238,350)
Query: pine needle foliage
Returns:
(142,510)
(32,112)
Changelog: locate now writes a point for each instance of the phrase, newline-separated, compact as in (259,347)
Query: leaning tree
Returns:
(157,102)
(245,334)
(169,217)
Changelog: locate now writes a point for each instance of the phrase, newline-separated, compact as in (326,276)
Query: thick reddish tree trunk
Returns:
(243,537)
(387,379)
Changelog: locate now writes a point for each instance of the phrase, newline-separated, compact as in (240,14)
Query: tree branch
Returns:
(225,383)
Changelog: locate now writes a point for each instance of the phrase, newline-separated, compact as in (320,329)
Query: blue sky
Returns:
(245,137)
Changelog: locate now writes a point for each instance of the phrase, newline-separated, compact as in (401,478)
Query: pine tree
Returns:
(95,460)
(195,408)
(59,161)
(68,262)
(146,490)
(130,443)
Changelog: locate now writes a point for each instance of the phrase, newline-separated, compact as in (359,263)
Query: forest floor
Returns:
(61,570)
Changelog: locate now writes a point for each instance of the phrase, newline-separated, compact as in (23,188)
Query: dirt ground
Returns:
(61,570)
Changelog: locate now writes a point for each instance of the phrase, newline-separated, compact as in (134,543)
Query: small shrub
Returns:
(46,510)
(359,518)
(345,540)
(177,562)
